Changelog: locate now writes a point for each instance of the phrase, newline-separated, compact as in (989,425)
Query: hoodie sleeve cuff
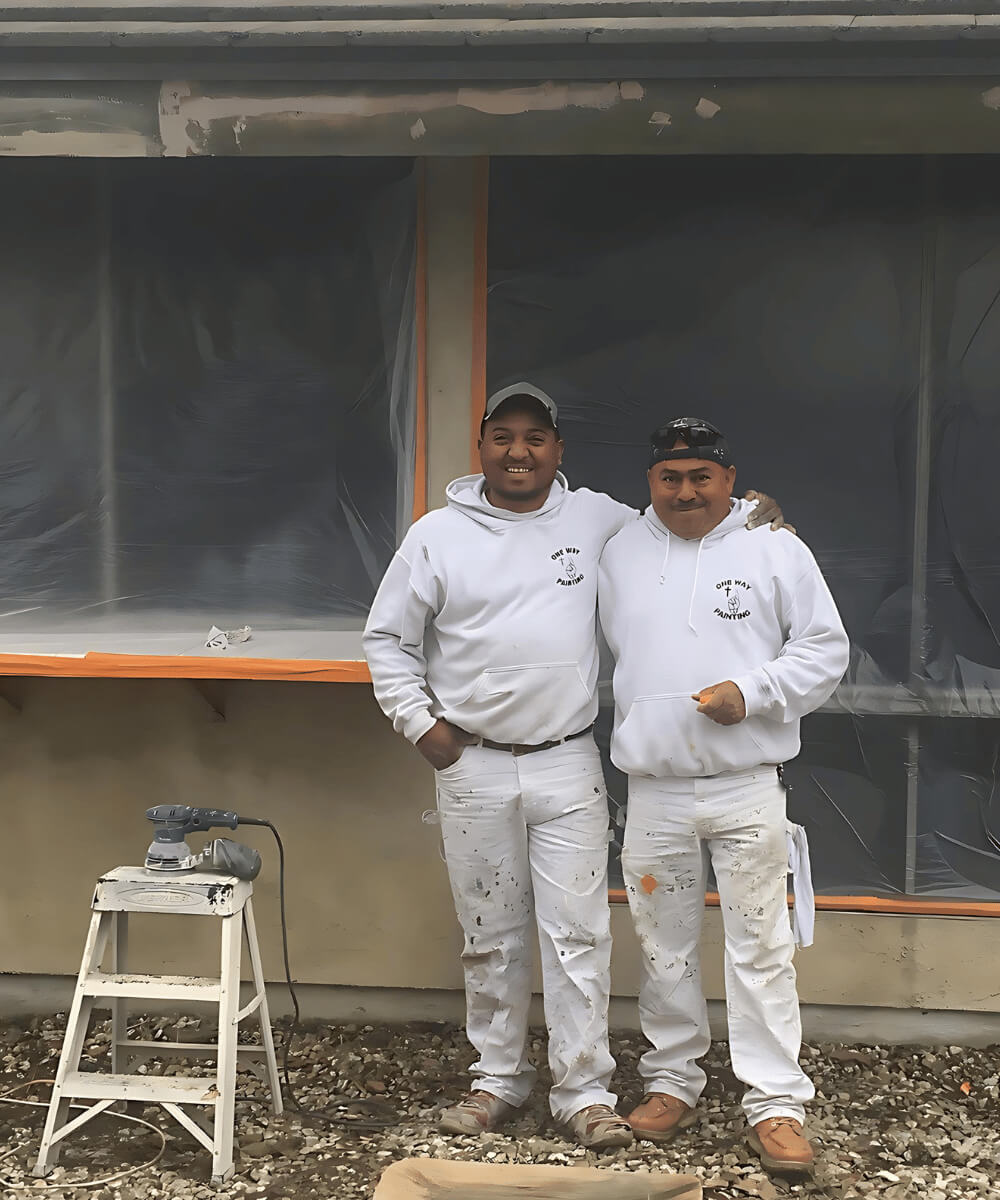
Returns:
(419,724)
(756,693)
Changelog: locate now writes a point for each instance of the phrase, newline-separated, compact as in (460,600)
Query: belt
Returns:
(516,748)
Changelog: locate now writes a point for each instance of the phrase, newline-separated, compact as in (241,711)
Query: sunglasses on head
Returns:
(690,430)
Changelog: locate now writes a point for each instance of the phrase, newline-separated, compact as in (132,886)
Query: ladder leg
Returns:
(266,1039)
(229,1006)
(120,1057)
(77,1020)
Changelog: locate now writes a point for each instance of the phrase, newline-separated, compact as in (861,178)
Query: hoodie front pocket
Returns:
(530,703)
(497,681)
(666,735)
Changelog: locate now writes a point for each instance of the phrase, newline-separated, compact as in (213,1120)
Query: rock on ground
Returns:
(889,1123)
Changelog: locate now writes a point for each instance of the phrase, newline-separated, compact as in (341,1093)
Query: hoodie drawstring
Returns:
(663,565)
(737,515)
(694,586)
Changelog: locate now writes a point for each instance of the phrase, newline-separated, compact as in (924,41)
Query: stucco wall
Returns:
(366,891)
(368,900)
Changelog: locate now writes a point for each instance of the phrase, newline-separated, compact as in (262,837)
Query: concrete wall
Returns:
(366,891)
(368,901)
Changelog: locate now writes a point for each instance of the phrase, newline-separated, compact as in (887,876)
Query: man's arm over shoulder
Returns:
(610,578)
(609,512)
(407,599)
(816,651)
(613,556)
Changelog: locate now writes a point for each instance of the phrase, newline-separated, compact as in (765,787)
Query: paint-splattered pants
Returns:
(739,820)
(526,844)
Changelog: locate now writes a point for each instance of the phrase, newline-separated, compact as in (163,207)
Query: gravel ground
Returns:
(888,1122)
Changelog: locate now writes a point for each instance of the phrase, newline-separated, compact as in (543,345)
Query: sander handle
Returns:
(213,818)
(172,820)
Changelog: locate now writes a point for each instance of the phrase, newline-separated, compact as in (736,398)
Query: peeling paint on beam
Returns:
(635,117)
(191,121)
(815,116)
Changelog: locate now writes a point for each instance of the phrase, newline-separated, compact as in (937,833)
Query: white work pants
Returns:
(525,840)
(740,819)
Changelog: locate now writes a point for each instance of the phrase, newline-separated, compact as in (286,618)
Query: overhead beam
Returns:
(477,31)
(318,10)
(629,115)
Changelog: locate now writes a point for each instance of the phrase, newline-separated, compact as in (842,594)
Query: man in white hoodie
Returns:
(482,647)
(722,642)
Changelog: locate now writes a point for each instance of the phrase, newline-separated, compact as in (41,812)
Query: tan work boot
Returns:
(476,1112)
(599,1127)
(782,1147)
(660,1117)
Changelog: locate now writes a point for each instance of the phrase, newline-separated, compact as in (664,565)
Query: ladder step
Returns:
(151,1089)
(150,1049)
(153,987)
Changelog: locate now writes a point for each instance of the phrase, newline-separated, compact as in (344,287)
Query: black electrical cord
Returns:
(342,1102)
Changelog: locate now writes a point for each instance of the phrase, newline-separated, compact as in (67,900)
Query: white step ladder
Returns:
(197,893)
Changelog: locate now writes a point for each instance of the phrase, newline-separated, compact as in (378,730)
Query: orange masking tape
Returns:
(420,450)
(907,906)
(140,666)
(477,390)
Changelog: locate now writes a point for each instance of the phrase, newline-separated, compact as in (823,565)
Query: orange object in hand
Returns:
(722,703)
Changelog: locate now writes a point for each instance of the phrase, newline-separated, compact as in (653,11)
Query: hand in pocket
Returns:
(443,743)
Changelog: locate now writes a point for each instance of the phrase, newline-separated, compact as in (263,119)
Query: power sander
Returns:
(169,850)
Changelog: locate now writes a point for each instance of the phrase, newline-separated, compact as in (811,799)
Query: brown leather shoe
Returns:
(782,1147)
(660,1117)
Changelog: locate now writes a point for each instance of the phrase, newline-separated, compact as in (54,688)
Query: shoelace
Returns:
(791,1122)
(478,1102)
(601,1114)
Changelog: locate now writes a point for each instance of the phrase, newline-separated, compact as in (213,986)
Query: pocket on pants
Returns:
(458,780)
(452,766)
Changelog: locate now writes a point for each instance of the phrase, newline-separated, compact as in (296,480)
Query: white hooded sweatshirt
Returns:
(488,617)
(682,615)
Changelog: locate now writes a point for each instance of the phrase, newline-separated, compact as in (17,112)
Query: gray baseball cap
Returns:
(522,389)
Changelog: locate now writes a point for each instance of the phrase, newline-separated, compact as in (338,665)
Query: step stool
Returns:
(198,893)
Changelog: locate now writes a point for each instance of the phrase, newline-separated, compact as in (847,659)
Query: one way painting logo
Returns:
(566,559)
(736,607)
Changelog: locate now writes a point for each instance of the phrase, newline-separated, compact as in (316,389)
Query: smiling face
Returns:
(690,495)
(520,453)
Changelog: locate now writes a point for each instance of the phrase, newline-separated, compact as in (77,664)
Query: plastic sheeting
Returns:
(207,400)
(840,319)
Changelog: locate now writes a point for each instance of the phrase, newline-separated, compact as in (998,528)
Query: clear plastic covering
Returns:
(839,318)
(207,401)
